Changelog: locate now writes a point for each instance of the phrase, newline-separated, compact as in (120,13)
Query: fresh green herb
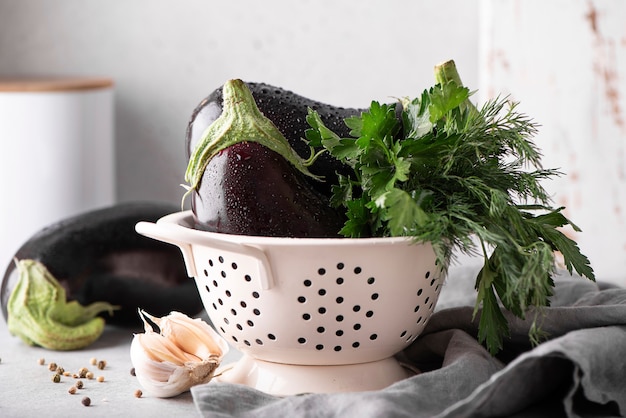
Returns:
(463,179)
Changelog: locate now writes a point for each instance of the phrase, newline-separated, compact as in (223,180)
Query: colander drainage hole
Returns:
(306,316)
(321,271)
(340,266)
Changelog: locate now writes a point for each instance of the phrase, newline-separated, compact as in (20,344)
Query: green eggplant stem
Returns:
(40,315)
(240,121)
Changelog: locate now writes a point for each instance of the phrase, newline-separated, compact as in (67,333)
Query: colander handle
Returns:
(161,233)
(183,238)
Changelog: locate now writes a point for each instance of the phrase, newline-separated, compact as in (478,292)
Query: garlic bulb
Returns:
(184,353)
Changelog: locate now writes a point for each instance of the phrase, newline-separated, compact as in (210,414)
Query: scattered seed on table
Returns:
(93,361)
(52,366)
(67,374)
(100,379)
(89,375)
(86,401)
(56,378)
(132,372)
(82,372)
(138,393)
(102,364)
(41,361)
(79,384)
(72,390)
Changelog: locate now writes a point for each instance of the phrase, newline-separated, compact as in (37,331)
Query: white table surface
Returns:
(27,389)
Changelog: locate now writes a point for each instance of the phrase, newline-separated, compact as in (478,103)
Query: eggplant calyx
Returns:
(39,314)
(240,121)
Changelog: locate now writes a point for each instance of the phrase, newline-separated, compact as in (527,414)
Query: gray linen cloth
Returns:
(580,371)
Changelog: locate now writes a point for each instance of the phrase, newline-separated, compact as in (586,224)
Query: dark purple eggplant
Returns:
(288,111)
(98,256)
(262,188)
(249,189)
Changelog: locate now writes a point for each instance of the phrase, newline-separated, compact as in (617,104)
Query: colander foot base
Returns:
(291,379)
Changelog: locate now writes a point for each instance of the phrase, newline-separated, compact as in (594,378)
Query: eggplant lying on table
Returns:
(255,180)
(98,257)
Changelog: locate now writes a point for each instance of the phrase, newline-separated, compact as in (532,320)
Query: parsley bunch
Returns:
(440,170)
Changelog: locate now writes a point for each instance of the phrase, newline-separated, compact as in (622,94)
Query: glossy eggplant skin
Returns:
(288,111)
(98,256)
(248,189)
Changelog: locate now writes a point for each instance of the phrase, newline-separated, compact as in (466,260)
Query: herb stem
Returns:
(446,72)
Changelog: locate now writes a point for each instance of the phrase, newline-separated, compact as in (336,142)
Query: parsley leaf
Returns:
(463,178)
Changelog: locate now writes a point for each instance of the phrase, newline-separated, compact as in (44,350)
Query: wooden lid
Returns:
(50,84)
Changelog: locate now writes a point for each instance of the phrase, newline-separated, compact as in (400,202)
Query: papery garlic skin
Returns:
(163,365)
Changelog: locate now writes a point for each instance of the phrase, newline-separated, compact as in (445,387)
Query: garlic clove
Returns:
(163,365)
(193,336)
(159,348)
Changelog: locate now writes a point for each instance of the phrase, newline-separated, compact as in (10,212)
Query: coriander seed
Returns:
(41,361)
(132,372)
(56,378)
(86,401)
(82,372)
(138,393)
(89,375)
(93,361)
(79,384)
(102,364)
(100,379)
(72,390)
(52,366)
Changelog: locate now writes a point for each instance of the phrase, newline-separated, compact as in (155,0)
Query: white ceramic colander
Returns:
(309,314)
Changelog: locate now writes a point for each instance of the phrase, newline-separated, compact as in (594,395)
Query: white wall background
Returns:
(165,56)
